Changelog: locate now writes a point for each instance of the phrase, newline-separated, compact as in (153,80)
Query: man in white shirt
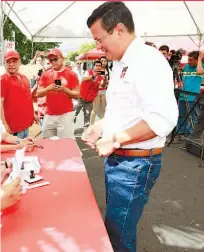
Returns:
(78,70)
(141,111)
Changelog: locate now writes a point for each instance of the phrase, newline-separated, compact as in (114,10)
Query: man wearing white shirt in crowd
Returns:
(78,70)
(141,111)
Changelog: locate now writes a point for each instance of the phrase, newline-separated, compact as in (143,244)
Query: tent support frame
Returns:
(51,21)
(11,7)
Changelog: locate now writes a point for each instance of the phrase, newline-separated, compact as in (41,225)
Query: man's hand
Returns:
(28,146)
(60,88)
(28,140)
(92,135)
(51,87)
(104,146)
(201,56)
(10,194)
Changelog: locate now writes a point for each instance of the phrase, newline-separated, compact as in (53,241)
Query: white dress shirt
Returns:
(79,73)
(145,92)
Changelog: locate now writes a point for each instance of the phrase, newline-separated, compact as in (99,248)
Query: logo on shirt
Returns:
(123,73)
(192,74)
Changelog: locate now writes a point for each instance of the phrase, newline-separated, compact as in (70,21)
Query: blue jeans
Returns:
(187,128)
(129,181)
(22,134)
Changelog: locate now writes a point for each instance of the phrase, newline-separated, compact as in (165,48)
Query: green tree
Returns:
(72,55)
(82,49)
(86,47)
(22,44)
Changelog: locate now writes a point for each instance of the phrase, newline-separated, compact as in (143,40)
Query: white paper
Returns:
(31,163)
(17,163)
(18,160)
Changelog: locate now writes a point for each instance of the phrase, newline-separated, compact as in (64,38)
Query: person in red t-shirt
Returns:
(41,101)
(17,111)
(60,85)
(92,81)
(100,101)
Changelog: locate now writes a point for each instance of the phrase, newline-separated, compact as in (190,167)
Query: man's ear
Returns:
(120,28)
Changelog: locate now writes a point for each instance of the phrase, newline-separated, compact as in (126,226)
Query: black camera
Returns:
(40,72)
(101,72)
(58,82)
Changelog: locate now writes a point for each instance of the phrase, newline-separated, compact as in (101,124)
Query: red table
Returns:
(62,216)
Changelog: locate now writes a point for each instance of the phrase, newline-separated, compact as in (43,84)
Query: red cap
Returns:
(54,52)
(11,54)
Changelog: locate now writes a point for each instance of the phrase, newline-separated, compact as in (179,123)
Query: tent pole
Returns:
(32,45)
(2,35)
(200,41)
(193,41)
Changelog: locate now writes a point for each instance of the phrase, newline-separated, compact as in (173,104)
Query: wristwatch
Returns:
(116,144)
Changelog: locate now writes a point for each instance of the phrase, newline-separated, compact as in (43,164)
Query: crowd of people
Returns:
(138,110)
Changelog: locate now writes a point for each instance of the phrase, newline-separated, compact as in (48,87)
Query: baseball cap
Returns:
(11,54)
(54,52)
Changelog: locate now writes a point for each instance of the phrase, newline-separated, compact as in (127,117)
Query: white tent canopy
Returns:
(60,21)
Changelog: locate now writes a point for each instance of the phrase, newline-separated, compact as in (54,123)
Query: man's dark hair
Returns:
(149,43)
(164,48)
(97,62)
(194,54)
(173,51)
(111,14)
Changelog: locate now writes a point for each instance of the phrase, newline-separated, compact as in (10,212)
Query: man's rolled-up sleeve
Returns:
(156,89)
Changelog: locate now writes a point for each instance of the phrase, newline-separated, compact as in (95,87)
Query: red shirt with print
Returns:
(18,105)
(89,88)
(58,103)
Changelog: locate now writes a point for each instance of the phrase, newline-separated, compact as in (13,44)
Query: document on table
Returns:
(17,163)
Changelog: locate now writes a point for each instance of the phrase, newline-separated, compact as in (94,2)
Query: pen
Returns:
(6,164)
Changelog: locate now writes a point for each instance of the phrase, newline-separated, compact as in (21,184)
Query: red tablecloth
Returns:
(62,216)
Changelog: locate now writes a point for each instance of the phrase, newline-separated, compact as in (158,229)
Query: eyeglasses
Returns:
(109,32)
(53,60)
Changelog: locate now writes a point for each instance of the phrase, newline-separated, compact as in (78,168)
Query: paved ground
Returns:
(173,220)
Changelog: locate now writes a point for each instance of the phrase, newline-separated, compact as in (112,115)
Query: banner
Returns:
(9,45)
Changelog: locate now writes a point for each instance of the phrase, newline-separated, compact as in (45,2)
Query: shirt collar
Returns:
(133,46)
(18,75)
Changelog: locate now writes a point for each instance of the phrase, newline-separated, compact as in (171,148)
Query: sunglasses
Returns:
(53,60)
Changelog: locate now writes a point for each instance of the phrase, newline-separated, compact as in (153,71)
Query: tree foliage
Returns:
(83,49)
(22,44)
